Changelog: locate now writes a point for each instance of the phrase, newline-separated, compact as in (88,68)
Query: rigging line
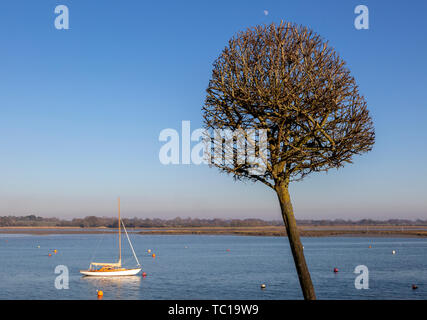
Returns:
(97,246)
(133,251)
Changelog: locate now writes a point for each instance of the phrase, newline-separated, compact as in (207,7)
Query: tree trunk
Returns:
(295,242)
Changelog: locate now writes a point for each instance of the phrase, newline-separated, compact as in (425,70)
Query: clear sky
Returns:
(81,109)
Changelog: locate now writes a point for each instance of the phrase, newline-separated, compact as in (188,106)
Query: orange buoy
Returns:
(54,251)
(100,293)
(50,254)
(144,274)
(335,270)
(153,255)
(370,247)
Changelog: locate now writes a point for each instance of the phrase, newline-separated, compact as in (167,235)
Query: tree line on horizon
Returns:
(108,222)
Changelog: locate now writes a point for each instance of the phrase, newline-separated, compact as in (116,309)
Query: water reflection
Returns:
(120,287)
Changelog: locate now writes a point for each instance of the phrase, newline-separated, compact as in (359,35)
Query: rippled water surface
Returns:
(201,267)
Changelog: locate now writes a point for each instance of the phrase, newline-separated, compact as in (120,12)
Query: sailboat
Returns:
(108,269)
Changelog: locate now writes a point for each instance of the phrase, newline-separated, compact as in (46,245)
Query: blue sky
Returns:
(81,109)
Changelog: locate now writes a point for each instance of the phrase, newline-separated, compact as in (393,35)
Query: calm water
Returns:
(200,267)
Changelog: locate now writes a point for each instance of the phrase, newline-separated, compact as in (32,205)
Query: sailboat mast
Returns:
(120,238)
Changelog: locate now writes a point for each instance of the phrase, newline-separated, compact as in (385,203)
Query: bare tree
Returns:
(288,82)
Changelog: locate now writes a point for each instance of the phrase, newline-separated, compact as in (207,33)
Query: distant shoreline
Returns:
(305,231)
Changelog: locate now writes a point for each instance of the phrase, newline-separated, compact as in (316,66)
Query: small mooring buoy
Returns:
(263,286)
(50,254)
(335,270)
(153,255)
(228,250)
(149,250)
(414,287)
(370,247)
(100,293)
(55,251)
(144,274)
(393,252)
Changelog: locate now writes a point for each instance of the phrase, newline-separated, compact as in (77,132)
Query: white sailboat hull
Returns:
(127,272)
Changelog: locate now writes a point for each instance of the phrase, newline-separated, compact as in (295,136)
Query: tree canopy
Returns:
(287,80)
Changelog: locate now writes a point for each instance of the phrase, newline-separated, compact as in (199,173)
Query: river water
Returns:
(211,267)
